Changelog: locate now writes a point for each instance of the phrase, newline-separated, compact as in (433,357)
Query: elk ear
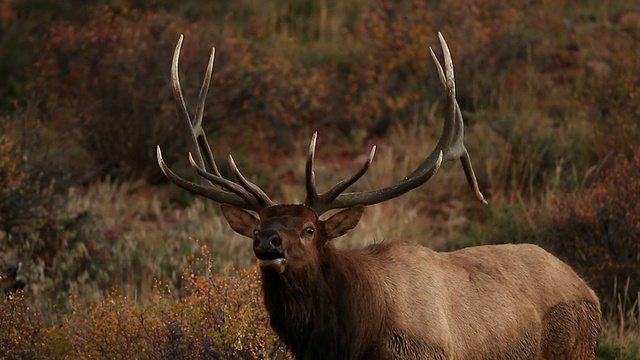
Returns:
(240,221)
(339,223)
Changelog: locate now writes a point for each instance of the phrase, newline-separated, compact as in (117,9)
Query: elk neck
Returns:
(314,308)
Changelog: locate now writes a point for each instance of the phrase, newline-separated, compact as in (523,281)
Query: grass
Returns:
(153,238)
(623,326)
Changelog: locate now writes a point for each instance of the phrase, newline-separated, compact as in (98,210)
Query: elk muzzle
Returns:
(267,245)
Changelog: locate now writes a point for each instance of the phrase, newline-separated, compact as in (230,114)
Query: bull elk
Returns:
(393,300)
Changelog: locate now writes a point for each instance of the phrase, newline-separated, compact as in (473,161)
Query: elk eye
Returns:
(310,230)
(255,233)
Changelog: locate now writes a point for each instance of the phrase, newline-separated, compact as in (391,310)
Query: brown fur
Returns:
(396,300)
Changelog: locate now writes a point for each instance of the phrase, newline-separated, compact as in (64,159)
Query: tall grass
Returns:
(622,327)
(152,238)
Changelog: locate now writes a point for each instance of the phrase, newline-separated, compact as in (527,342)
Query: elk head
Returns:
(290,234)
(287,235)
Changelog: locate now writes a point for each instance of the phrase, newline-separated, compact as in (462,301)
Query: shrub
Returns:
(107,83)
(225,313)
(614,352)
(598,232)
(381,77)
(20,329)
(222,317)
(613,93)
(12,178)
(106,87)
(61,250)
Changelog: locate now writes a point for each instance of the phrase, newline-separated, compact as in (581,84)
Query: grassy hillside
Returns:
(549,91)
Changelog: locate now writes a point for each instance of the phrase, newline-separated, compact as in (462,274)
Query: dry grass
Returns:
(623,326)
(152,239)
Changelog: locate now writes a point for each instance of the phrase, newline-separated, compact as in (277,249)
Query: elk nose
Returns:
(267,245)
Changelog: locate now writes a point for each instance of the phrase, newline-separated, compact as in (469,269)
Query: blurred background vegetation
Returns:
(549,90)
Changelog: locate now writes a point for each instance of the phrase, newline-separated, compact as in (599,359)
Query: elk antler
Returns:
(249,196)
(449,147)
(243,194)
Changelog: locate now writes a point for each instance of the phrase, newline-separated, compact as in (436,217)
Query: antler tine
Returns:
(471,176)
(450,146)
(343,185)
(245,195)
(457,150)
(441,75)
(257,193)
(224,183)
(210,192)
(452,134)
(310,175)
(196,132)
(202,96)
(315,200)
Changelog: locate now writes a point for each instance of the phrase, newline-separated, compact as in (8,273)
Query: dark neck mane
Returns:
(314,309)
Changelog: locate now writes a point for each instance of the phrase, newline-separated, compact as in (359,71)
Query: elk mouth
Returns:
(273,261)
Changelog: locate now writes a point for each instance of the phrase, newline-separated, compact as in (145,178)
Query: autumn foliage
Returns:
(221,317)
(106,80)
(103,85)
(107,83)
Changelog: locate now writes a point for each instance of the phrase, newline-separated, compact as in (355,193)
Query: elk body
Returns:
(395,300)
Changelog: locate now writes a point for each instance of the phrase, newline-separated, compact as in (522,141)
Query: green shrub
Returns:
(614,352)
